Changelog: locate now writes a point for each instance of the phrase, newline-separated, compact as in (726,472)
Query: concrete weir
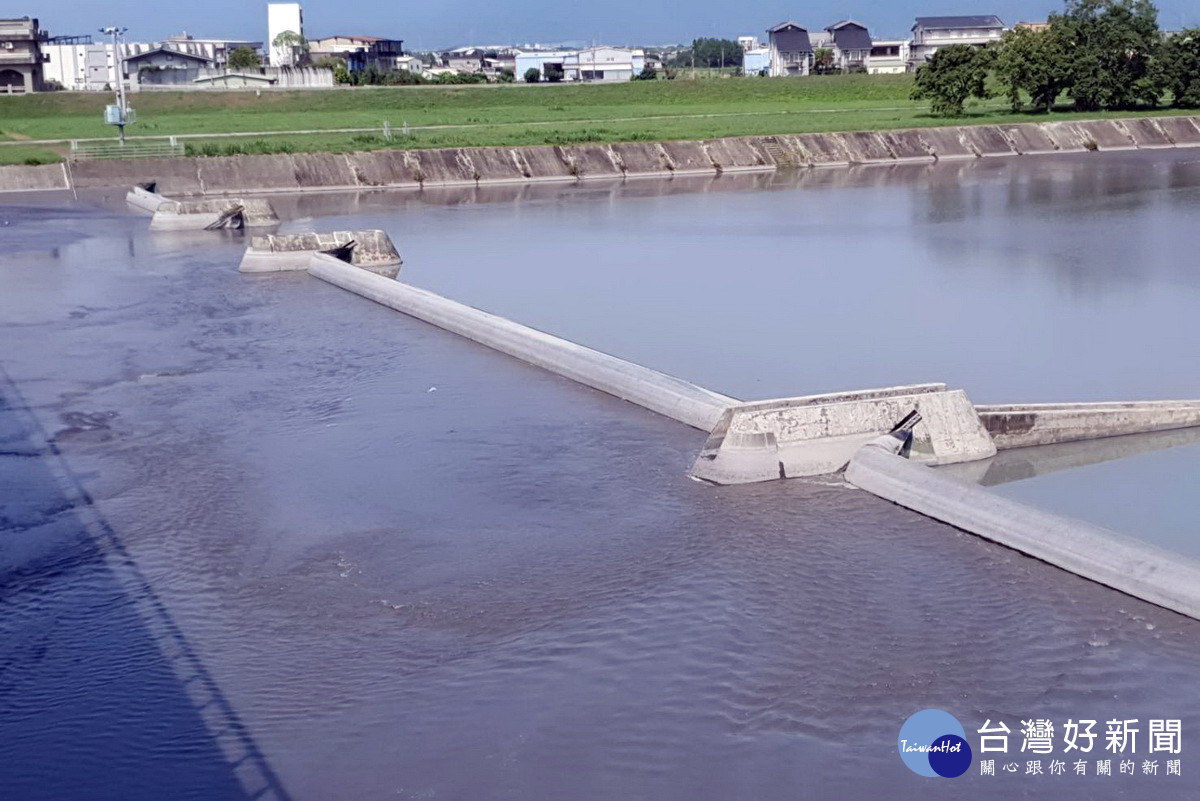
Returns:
(1167,579)
(883,439)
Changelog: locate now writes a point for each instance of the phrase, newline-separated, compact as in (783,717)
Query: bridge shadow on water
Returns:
(101,696)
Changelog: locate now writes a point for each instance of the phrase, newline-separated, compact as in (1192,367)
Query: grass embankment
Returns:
(465,116)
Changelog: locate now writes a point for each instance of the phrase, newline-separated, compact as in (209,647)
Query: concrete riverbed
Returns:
(407,566)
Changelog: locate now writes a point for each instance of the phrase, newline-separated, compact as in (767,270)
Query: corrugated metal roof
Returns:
(941,23)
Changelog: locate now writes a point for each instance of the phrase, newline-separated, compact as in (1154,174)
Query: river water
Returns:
(259,534)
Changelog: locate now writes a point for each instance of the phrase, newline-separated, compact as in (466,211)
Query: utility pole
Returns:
(118,115)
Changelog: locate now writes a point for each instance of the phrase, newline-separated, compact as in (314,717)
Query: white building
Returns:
(748,43)
(604,64)
(889,57)
(283,17)
(756,61)
(930,33)
(79,67)
(540,60)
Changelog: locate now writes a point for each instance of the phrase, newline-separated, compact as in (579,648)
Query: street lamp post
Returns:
(118,115)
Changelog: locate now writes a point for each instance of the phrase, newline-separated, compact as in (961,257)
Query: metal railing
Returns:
(111,149)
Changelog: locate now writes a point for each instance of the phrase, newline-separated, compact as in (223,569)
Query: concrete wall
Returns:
(1029,424)
(479,166)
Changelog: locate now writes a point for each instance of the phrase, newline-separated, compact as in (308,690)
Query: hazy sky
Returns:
(429,25)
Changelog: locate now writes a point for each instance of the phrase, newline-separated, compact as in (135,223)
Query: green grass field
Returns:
(463,116)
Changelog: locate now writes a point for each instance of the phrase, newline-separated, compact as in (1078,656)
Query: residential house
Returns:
(888,57)
(851,44)
(359,52)
(603,63)
(21,57)
(931,33)
(464,59)
(748,43)
(791,49)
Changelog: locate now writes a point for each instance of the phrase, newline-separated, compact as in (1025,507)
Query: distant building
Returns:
(463,59)
(748,43)
(889,57)
(161,58)
(540,60)
(931,33)
(851,44)
(281,18)
(791,50)
(756,61)
(217,50)
(21,57)
(603,64)
(77,64)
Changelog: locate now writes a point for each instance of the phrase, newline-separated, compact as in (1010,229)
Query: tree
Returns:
(554,73)
(1180,64)
(647,74)
(244,58)
(505,75)
(1034,62)
(713,53)
(533,75)
(1111,45)
(295,45)
(952,75)
(823,61)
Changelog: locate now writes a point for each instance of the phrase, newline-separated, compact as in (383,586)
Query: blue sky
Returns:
(429,25)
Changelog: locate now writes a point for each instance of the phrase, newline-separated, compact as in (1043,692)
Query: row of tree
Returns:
(1103,54)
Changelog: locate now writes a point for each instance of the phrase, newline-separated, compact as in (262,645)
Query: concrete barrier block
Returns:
(193,215)
(1183,131)
(1106,134)
(543,164)
(817,150)
(497,165)
(946,143)
(738,155)
(641,158)
(987,140)
(1145,133)
(370,250)
(688,158)
(1024,425)
(1029,139)
(451,167)
(589,161)
(33,177)
(391,168)
(907,145)
(235,174)
(174,176)
(145,197)
(818,434)
(865,147)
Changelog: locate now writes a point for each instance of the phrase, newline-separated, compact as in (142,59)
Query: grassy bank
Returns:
(463,116)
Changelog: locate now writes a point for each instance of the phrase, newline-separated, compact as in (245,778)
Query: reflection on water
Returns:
(417,568)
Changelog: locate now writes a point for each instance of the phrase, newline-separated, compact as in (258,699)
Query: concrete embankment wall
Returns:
(1167,579)
(661,393)
(481,166)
